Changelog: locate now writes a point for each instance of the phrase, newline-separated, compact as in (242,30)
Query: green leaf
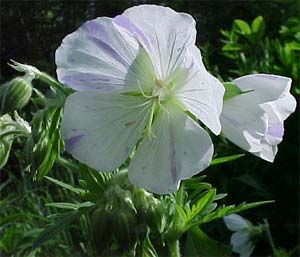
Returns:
(226,210)
(72,206)
(52,230)
(232,90)
(199,244)
(230,158)
(258,27)
(197,209)
(241,27)
(47,139)
(66,186)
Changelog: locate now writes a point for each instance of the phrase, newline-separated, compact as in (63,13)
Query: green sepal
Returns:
(232,90)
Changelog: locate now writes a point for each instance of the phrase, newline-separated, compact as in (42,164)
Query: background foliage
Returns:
(32,30)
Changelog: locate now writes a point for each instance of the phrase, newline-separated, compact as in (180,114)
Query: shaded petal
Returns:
(266,87)
(244,123)
(101,128)
(201,93)
(242,244)
(168,40)
(235,222)
(180,149)
(99,56)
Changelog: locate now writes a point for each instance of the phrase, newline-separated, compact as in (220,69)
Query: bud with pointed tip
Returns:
(15,94)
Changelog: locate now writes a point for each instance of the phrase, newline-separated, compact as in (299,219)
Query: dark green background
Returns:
(32,30)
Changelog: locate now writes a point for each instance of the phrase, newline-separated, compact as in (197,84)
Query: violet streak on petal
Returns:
(72,141)
(125,23)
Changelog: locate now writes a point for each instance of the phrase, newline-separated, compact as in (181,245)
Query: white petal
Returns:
(101,128)
(268,152)
(266,87)
(99,56)
(235,222)
(169,34)
(244,123)
(201,93)
(242,244)
(180,149)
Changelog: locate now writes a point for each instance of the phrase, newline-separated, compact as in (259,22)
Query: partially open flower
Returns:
(245,235)
(139,77)
(254,120)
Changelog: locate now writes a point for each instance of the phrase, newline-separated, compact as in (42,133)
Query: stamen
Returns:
(159,83)
(142,92)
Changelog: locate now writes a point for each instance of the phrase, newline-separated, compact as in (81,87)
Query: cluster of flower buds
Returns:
(126,214)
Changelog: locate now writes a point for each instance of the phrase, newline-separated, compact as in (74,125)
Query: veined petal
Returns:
(167,39)
(99,57)
(101,128)
(180,149)
(201,93)
(244,123)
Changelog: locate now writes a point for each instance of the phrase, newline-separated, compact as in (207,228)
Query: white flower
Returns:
(254,120)
(137,75)
(241,240)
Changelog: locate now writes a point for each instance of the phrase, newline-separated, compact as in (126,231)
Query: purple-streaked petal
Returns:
(72,141)
(126,24)
(102,128)
(179,150)
(169,34)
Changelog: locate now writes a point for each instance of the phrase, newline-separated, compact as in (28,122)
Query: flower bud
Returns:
(101,229)
(15,94)
(150,209)
(125,228)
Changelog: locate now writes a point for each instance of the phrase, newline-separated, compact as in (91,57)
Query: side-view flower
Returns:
(244,236)
(139,81)
(254,120)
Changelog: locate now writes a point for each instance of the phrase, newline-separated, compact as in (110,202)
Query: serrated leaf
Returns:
(196,210)
(226,210)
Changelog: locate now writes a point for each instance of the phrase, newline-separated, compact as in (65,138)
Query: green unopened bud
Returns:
(125,228)
(15,94)
(150,209)
(101,229)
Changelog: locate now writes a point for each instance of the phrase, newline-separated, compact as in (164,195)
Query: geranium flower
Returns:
(140,78)
(254,120)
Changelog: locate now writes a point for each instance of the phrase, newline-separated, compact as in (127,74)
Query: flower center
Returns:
(161,90)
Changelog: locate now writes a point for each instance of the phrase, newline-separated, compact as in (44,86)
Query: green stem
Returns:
(269,236)
(174,250)
(53,82)
(67,164)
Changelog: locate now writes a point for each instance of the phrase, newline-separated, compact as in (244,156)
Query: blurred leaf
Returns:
(67,186)
(258,27)
(241,27)
(198,244)
(53,229)
(232,90)
(72,206)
